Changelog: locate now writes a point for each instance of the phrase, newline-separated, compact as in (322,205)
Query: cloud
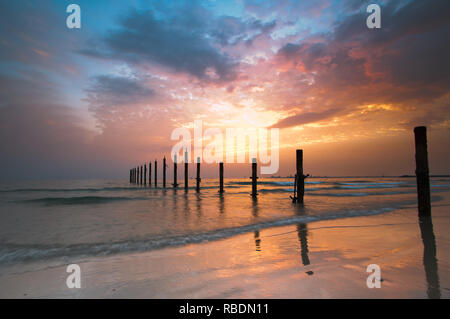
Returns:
(142,38)
(111,91)
(305,118)
(404,63)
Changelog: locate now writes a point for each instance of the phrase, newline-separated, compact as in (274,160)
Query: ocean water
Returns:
(63,219)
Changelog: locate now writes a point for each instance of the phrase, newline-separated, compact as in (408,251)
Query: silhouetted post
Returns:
(131,175)
(254,178)
(150,174)
(422,173)
(145,174)
(164,172)
(175,170)
(134,175)
(300,177)
(198,175)
(156,174)
(137,180)
(186,170)
(221,177)
(141,175)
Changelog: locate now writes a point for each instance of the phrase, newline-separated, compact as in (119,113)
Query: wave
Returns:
(361,194)
(63,190)
(282,183)
(83,200)
(10,253)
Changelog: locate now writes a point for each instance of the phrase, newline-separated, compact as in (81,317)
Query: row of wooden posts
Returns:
(138,175)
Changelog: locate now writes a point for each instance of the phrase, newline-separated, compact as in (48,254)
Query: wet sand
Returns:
(325,259)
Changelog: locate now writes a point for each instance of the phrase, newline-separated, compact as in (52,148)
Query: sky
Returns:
(96,101)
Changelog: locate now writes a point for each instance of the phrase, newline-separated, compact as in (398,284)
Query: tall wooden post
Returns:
(254,178)
(422,172)
(141,174)
(145,174)
(131,174)
(137,181)
(164,172)
(156,174)
(134,175)
(175,171)
(300,177)
(198,175)
(186,172)
(149,174)
(221,177)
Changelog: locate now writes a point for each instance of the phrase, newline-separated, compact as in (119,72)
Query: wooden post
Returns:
(164,172)
(137,181)
(300,177)
(221,177)
(198,175)
(186,170)
(141,174)
(145,174)
(149,174)
(422,172)
(175,184)
(156,174)
(134,175)
(131,175)
(254,178)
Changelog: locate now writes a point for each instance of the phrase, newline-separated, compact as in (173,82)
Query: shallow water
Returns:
(43,220)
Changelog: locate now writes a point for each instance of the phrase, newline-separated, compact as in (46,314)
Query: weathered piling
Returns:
(186,172)
(164,172)
(299,184)
(175,171)
(300,177)
(221,177)
(156,173)
(141,175)
(422,172)
(198,179)
(145,174)
(150,174)
(137,176)
(131,176)
(254,178)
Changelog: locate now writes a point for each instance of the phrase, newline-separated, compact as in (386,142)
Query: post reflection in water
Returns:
(255,207)
(221,204)
(257,240)
(302,231)
(429,257)
(199,204)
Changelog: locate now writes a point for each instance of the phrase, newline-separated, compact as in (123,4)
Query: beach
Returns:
(307,255)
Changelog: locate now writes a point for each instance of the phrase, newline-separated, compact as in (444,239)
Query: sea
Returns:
(59,220)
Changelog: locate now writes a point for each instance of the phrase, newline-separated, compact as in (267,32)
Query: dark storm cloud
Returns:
(113,90)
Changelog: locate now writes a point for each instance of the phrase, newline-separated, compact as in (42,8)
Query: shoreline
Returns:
(320,259)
